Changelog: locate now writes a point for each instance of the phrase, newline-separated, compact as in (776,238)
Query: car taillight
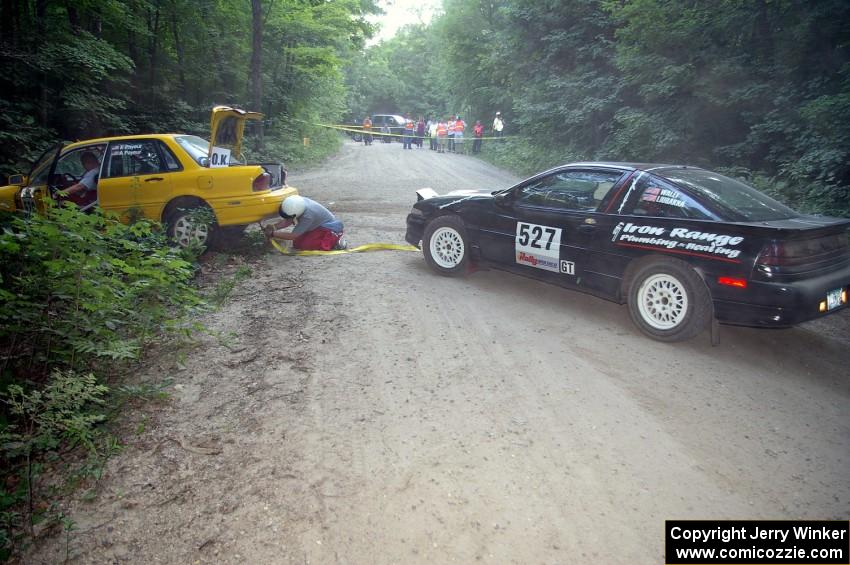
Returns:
(771,255)
(262,182)
(801,251)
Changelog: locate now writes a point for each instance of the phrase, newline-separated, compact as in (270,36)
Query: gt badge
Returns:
(568,267)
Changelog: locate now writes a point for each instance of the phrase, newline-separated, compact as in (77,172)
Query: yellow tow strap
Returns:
(358,249)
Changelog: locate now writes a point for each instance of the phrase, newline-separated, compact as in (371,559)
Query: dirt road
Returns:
(359,409)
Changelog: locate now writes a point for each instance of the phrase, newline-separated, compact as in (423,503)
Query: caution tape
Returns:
(378,133)
(359,249)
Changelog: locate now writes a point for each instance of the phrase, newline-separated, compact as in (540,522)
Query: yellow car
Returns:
(173,178)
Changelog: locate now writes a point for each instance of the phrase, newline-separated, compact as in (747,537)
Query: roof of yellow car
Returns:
(122,137)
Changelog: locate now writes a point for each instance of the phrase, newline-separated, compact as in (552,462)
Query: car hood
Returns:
(430,193)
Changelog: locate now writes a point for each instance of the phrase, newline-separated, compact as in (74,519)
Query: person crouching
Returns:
(316,228)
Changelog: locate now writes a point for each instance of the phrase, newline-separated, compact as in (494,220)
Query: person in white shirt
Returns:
(498,125)
(88,182)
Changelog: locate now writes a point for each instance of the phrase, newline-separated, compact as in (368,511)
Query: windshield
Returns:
(197,147)
(733,199)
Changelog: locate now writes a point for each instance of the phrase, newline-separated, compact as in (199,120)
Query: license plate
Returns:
(833,299)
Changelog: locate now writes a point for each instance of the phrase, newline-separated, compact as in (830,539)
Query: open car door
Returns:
(227,127)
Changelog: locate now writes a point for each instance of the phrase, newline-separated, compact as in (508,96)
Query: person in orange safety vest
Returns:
(442,134)
(409,127)
(460,125)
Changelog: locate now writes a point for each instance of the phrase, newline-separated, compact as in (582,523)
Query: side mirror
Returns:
(17,180)
(503,199)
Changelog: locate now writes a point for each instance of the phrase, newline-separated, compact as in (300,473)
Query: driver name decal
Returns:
(678,240)
(538,246)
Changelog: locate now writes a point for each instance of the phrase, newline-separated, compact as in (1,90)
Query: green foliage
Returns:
(224,288)
(758,87)
(65,411)
(78,287)
(79,293)
(524,156)
(76,69)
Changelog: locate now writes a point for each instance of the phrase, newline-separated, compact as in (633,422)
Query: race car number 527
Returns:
(538,246)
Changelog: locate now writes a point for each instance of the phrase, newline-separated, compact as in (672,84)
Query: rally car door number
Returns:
(538,246)
(533,236)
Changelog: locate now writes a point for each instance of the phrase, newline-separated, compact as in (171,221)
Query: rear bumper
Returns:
(775,304)
(243,210)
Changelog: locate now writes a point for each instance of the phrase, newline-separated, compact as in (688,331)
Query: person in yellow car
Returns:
(316,228)
(84,192)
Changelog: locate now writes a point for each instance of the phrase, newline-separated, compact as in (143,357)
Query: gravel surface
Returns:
(360,409)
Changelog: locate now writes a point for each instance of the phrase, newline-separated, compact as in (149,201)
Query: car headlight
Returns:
(416,212)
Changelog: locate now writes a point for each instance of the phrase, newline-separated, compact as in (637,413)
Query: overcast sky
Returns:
(401,12)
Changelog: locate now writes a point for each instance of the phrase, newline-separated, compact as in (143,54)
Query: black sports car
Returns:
(680,245)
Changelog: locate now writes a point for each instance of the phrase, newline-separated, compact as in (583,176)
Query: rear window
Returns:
(197,148)
(733,199)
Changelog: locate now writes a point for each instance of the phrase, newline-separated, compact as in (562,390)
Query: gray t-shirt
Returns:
(315,216)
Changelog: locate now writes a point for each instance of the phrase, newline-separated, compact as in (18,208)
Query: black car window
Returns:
(569,190)
(735,200)
(134,157)
(657,198)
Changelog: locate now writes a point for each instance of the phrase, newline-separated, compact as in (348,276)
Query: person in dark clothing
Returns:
(420,132)
(477,134)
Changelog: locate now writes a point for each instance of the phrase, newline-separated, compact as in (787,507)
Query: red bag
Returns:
(319,239)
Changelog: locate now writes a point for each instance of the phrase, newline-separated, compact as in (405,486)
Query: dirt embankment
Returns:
(359,409)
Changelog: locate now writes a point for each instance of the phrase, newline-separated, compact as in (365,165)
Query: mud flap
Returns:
(715,332)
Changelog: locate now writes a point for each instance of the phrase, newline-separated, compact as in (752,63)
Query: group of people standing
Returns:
(443,135)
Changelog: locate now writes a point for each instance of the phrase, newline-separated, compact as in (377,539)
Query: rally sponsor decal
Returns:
(663,196)
(128,149)
(678,240)
(538,246)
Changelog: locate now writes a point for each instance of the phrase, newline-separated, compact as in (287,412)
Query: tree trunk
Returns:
(153,52)
(181,51)
(7,23)
(41,31)
(257,65)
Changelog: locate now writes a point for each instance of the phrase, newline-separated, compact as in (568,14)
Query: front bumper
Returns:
(415,229)
(777,304)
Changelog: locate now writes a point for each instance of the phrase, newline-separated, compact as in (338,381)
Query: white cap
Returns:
(292,207)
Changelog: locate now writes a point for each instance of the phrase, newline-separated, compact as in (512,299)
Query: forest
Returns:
(759,89)
(76,69)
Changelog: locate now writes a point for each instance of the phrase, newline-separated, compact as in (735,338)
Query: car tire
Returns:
(668,301)
(357,137)
(446,246)
(185,231)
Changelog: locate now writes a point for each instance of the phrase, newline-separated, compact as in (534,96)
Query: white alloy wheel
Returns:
(187,232)
(662,301)
(447,249)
